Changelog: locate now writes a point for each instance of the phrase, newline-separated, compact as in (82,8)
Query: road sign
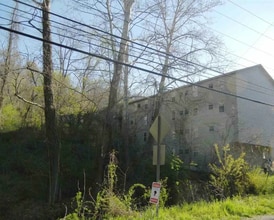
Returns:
(155,193)
(162,154)
(164,128)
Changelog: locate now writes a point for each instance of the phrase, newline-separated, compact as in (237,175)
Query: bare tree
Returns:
(181,36)
(8,55)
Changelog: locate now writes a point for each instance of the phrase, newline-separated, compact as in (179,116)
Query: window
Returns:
(145,120)
(173,115)
(186,111)
(187,151)
(210,85)
(221,108)
(181,112)
(195,153)
(210,106)
(186,93)
(146,106)
(139,105)
(211,128)
(145,136)
(173,99)
(195,111)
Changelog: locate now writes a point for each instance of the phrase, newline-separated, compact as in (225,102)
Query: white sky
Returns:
(247,29)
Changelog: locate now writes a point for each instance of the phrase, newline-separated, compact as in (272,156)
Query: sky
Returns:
(247,29)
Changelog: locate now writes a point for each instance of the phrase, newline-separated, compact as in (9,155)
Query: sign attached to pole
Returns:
(162,154)
(164,129)
(155,193)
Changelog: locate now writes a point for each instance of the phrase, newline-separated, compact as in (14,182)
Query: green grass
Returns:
(230,209)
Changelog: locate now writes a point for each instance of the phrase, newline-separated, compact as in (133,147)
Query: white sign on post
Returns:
(155,193)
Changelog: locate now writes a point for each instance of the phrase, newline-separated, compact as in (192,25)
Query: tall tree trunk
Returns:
(52,139)
(114,85)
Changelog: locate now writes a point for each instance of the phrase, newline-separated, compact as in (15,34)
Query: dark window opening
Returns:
(173,115)
(145,136)
(221,108)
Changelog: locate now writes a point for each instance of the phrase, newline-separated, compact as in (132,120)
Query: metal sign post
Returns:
(158,158)
(158,150)
(159,129)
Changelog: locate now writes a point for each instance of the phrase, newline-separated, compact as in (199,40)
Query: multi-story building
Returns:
(236,108)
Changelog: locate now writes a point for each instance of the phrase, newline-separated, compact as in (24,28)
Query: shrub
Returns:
(230,176)
(260,183)
(108,203)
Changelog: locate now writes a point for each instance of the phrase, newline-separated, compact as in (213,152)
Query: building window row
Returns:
(221,107)
(195,111)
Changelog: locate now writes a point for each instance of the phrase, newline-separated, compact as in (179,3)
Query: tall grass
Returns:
(229,209)
(238,207)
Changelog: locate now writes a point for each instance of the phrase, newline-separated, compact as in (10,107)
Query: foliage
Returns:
(260,183)
(229,209)
(230,177)
(108,202)
(10,118)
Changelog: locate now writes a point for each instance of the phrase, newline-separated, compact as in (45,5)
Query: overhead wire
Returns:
(134,42)
(251,13)
(36,8)
(86,5)
(135,67)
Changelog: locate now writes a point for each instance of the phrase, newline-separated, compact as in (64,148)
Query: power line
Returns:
(135,67)
(134,42)
(244,25)
(249,12)
(241,42)
(142,45)
(184,60)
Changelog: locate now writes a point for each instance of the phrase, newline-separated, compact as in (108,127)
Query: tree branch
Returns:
(29,102)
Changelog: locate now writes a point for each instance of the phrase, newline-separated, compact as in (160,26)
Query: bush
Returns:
(230,177)
(108,202)
(260,183)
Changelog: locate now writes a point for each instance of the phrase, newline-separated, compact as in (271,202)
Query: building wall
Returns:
(256,121)
(198,117)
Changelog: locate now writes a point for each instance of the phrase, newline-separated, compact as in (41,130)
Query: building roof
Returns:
(198,83)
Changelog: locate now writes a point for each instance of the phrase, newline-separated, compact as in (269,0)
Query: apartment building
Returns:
(236,108)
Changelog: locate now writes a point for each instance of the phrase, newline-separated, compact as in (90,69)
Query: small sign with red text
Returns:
(155,193)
